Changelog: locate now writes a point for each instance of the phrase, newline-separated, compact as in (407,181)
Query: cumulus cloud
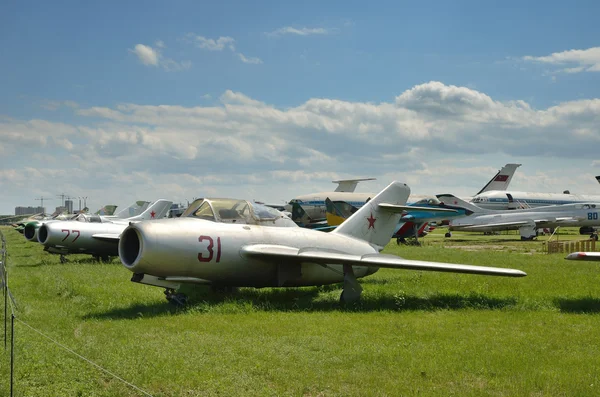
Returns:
(146,54)
(153,57)
(242,146)
(213,44)
(253,60)
(577,60)
(304,31)
(220,44)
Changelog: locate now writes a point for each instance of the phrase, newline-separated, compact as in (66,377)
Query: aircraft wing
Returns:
(284,254)
(401,208)
(497,224)
(107,237)
(584,256)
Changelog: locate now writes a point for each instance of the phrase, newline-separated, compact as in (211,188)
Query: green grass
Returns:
(413,333)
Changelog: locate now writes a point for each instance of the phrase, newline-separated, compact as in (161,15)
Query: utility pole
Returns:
(80,204)
(84,202)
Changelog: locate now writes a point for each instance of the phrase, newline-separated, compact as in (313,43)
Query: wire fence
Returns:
(9,302)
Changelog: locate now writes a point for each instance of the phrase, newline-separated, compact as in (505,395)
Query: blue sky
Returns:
(274,99)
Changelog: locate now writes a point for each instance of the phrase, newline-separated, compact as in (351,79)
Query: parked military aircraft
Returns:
(30,231)
(93,236)
(197,249)
(315,208)
(527,221)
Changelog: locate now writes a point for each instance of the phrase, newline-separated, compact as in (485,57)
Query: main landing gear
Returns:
(63,259)
(176,298)
(102,258)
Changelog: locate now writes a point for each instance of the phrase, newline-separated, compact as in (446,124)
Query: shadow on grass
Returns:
(304,300)
(580,305)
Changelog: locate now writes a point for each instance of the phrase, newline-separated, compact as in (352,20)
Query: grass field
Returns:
(413,333)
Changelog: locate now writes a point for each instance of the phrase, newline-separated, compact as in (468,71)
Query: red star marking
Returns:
(455,202)
(371,221)
(152,214)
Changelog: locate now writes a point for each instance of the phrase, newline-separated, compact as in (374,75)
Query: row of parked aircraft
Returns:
(236,243)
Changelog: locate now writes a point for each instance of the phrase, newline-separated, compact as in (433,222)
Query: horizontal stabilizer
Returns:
(284,254)
(584,256)
(348,185)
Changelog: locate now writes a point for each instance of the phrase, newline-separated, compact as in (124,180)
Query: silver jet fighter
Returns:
(98,237)
(527,221)
(199,249)
(31,229)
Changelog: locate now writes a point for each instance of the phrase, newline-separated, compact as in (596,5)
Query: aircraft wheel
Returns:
(594,237)
(177,299)
(448,234)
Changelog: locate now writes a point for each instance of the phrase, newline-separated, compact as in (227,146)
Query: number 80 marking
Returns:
(592,216)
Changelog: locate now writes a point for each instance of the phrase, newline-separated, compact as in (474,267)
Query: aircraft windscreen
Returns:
(205,212)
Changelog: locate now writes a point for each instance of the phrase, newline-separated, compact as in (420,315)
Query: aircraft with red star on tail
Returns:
(198,249)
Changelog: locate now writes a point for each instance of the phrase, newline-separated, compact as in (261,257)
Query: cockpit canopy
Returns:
(428,201)
(236,211)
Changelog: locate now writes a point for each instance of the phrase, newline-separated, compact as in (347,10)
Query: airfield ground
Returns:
(414,333)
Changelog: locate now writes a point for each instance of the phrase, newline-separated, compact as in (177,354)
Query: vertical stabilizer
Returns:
(157,210)
(598,178)
(373,223)
(502,179)
(133,210)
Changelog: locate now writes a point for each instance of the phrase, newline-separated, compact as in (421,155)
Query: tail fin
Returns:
(598,178)
(299,215)
(502,179)
(133,210)
(373,222)
(453,202)
(157,210)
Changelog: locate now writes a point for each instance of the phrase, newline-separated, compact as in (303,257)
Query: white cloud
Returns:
(304,31)
(223,42)
(146,54)
(153,57)
(252,60)
(211,44)
(433,136)
(580,60)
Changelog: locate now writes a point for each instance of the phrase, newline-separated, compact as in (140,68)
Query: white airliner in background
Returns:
(510,200)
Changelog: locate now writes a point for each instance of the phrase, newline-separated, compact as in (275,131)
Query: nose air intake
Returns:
(29,232)
(130,247)
(43,234)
